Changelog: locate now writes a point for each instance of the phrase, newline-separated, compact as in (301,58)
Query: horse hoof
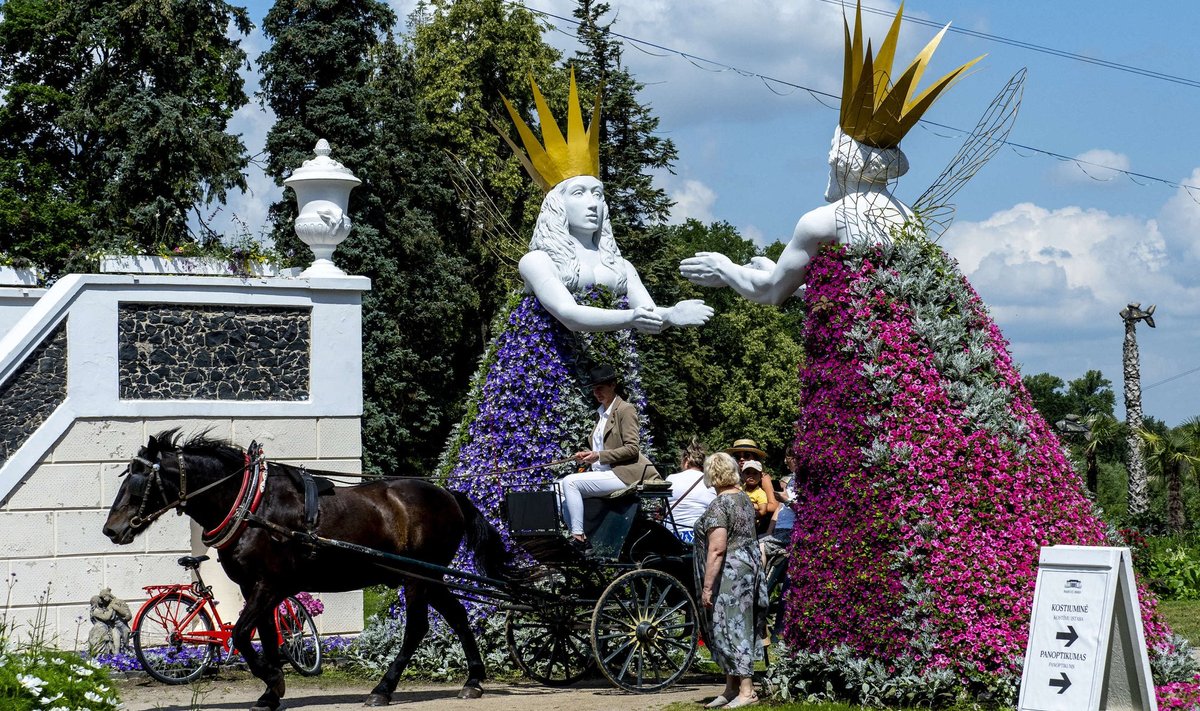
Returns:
(377,700)
(471,692)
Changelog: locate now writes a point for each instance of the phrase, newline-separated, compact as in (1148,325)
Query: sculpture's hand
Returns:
(647,320)
(691,312)
(762,264)
(706,269)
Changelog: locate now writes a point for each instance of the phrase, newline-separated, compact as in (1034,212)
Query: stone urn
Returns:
(322,188)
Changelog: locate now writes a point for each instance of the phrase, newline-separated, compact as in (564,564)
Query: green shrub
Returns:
(1174,567)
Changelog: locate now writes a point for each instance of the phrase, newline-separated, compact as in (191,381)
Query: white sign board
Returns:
(1087,649)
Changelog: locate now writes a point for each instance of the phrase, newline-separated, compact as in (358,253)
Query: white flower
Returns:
(93,697)
(56,697)
(82,671)
(31,682)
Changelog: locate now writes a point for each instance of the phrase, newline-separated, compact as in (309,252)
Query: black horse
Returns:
(401,516)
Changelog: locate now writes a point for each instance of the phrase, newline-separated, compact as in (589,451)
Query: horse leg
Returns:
(451,609)
(416,625)
(266,666)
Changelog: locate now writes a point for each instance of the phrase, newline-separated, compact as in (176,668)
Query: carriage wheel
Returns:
(299,641)
(172,648)
(645,631)
(550,644)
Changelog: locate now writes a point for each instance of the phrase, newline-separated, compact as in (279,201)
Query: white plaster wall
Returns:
(56,489)
(54,556)
(14,303)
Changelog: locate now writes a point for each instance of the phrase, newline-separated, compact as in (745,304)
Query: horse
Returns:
(249,510)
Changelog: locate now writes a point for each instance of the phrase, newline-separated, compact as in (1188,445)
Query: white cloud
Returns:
(1098,165)
(693,199)
(1055,280)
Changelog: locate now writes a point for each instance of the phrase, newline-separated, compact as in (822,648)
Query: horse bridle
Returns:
(154,479)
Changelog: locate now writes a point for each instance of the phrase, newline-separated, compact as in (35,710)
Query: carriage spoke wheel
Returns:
(550,644)
(644,631)
(301,645)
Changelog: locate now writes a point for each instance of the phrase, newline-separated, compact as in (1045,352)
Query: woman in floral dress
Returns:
(733,592)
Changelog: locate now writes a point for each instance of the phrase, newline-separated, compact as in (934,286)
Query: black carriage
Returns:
(626,607)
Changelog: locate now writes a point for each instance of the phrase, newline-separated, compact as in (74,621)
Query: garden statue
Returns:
(582,304)
(931,479)
(110,617)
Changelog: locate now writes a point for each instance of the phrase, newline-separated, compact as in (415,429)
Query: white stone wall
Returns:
(54,556)
(56,488)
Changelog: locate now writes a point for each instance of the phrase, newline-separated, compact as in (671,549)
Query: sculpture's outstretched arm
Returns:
(541,276)
(778,284)
(689,312)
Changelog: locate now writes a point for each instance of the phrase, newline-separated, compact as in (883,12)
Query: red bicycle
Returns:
(176,641)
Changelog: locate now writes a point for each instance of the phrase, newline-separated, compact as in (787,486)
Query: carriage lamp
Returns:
(322,188)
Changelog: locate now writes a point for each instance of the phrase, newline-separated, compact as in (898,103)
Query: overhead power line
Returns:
(832,101)
(1118,66)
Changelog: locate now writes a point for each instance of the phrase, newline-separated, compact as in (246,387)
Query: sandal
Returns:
(741,701)
(717,702)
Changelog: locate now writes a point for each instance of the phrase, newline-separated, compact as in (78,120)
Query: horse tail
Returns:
(483,540)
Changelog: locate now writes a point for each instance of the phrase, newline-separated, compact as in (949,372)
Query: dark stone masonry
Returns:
(37,387)
(176,352)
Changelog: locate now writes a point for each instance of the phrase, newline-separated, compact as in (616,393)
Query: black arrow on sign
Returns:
(1070,636)
(1065,682)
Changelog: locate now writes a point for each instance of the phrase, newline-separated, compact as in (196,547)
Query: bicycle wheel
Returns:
(173,645)
(299,641)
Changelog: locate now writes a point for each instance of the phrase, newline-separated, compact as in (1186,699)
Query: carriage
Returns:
(626,607)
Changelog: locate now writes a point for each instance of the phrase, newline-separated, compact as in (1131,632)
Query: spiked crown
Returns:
(875,110)
(560,158)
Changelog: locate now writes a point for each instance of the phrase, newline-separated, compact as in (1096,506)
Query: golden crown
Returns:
(577,154)
(876,111)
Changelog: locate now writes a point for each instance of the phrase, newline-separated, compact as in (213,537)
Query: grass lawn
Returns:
(1184,618)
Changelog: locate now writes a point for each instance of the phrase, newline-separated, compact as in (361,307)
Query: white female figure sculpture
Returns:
(573,244)
(582,306)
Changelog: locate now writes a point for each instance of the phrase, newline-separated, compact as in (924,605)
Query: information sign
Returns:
(1087,649)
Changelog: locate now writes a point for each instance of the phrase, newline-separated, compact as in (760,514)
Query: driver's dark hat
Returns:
(601,375)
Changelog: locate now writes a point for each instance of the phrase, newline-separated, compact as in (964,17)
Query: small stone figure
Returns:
(110,618)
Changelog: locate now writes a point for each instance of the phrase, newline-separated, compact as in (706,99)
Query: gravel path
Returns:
(236,691)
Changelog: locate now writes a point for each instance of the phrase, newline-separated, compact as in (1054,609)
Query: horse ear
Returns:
(153,445)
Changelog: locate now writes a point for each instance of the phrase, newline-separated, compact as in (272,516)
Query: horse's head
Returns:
(144,490)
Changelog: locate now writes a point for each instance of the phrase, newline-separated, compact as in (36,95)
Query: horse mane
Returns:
(202,443)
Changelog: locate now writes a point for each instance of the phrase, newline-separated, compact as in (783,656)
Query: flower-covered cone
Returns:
(931,480)
(526,406)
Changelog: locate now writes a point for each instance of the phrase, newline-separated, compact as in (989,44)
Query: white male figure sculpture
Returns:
(860,208)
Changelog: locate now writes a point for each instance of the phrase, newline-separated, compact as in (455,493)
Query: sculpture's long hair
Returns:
(552,236)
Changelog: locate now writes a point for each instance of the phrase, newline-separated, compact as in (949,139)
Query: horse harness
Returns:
(244,510)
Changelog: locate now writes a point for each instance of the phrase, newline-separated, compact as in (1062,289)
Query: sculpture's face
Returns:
(583,199)
(838,167)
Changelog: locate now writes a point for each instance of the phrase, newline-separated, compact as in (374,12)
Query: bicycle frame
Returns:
(223,634)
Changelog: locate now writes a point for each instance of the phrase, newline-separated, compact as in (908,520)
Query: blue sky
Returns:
(1055,251)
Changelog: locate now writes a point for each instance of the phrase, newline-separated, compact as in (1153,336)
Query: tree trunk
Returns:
(1093,472)
(1138,498)
(1175,517)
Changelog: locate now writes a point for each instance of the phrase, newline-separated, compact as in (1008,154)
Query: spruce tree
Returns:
(468,54)
(314,78)
(336,72)
(630,148)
